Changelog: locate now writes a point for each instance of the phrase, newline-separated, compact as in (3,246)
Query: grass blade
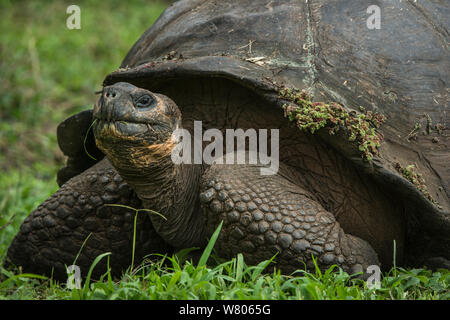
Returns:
(134,241)
(210,246)
(81,248)
(88,277)
(131,208)
(85,138)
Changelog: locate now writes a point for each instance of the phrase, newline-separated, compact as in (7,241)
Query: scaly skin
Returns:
(264,215)
(52,235)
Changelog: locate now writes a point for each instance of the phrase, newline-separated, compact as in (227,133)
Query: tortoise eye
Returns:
(143,101)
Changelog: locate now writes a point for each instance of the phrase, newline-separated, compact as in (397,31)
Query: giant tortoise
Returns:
(363,148)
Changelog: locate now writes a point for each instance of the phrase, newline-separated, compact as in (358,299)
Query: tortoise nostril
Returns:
(111,93)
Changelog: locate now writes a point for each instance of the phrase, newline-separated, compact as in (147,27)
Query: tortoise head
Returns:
(134,126)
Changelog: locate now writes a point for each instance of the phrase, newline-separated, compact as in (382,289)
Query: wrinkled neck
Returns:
(171,190)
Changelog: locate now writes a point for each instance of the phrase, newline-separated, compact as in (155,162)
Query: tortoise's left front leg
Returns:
(78,213)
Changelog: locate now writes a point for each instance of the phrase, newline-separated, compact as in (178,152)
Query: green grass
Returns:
(176,278)
(48,73)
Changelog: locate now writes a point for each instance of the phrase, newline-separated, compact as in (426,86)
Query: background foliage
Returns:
(47,73)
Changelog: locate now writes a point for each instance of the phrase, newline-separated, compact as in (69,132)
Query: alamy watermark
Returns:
(74,20)
(256,153)
(73,277)
(374,20)
(374,281)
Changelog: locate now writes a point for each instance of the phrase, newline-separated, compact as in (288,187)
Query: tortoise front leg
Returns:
(52,235)
(265,215)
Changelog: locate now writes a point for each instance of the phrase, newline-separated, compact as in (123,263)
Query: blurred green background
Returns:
(47,73)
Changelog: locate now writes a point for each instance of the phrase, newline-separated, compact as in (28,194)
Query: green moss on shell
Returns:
(412,175)
(312,116)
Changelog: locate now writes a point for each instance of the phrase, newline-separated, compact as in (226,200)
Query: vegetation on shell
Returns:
(311,116)
(411,174)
